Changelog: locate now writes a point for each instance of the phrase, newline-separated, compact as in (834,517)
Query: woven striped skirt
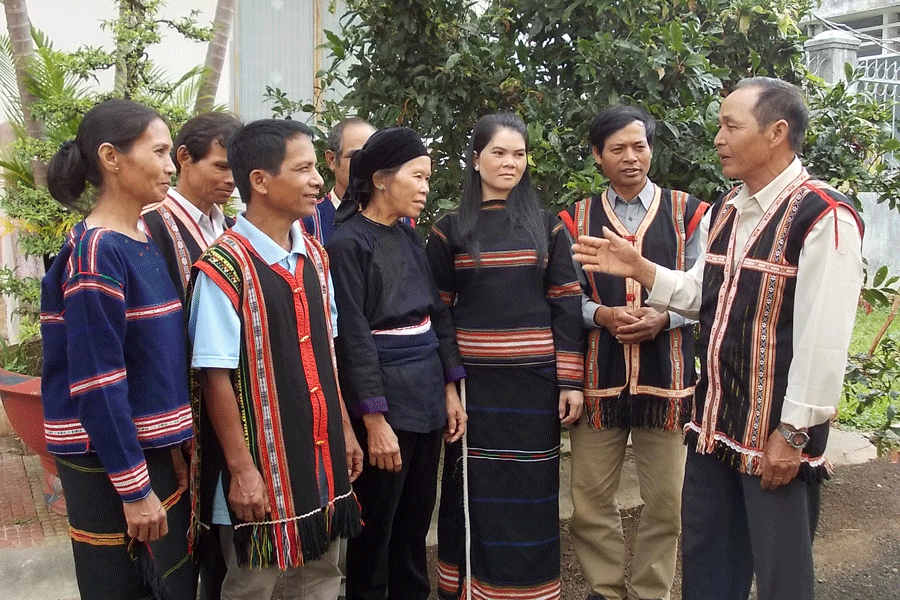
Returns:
(512,479)
(108,564)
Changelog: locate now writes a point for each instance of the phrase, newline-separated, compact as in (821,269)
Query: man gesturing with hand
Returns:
(775,291)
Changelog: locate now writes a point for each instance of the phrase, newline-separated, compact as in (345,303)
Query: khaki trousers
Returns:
(596,525)
(317,580)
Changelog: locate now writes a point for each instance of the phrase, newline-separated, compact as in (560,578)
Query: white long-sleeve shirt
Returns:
(829,277)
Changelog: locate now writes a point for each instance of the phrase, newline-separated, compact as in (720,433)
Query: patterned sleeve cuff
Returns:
(132,484)
(454,374)
(368,406)
(570,369)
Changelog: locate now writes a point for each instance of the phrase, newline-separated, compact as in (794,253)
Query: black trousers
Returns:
(732,528)
(387,560)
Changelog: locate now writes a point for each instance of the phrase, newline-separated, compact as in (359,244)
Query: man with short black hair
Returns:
(639,368)
(775,292)
(277,449)
(183,225)
(190,217)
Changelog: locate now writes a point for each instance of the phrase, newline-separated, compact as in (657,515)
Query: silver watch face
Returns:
(797,439)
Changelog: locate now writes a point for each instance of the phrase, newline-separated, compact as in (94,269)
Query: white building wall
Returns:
(276,44)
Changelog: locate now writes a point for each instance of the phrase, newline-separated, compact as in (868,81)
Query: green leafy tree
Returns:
(438,65)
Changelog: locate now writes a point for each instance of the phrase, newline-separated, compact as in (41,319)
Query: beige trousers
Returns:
(318,580)
(596,526)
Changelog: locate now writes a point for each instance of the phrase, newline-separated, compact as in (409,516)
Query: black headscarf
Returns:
(385,149)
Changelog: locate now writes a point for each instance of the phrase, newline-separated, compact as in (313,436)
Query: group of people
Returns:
(271,392)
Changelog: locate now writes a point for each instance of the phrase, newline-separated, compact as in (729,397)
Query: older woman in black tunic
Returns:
(398,364)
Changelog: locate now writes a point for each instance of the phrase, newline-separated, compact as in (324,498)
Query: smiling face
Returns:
(405,191)
(145,171)
(294,191)
(625,159)
(207,181)
(501,163)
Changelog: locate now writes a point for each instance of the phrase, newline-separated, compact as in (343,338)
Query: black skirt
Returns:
(108,564)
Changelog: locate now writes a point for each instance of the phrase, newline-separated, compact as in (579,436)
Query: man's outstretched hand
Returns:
(614,255)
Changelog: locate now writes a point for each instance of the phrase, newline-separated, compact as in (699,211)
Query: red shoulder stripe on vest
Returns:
(695,220)
(219,280)
(832,206)
(569,223)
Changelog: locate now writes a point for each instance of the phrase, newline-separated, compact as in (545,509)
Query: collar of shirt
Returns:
(764,198)
(645,195)
(216,217)
(332,197)
(265,246)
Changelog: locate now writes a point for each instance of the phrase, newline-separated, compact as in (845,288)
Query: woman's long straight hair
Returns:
(522,203)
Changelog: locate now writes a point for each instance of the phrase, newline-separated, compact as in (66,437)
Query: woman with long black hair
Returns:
(503,266)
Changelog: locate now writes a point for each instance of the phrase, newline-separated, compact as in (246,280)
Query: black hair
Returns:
(261,145)
(76,163)
(613,118)
(779,100)
(335,141)
(200,132)
(522,202)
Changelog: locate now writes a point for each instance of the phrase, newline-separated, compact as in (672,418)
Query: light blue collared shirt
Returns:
(218,344)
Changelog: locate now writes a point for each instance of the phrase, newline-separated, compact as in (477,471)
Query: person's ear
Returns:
(598,156)
(778,132)
(109,157)
(331,159)
(379,180)
(259,182)
(182,155)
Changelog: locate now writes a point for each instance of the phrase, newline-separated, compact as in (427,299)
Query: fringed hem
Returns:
(650,412)
(745,460)
(294,542)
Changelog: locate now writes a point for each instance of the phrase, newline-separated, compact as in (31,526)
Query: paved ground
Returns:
(35,555)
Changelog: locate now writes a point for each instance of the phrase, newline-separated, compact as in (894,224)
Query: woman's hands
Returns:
(384,449)
(146,519)
(456,415)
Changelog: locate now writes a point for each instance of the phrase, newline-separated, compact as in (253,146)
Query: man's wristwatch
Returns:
(796,439)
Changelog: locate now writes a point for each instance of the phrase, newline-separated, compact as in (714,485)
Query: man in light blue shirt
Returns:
(276,450)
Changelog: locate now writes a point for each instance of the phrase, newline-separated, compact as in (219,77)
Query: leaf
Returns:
(880,274)
(875,297)
(676,36)
(452,60)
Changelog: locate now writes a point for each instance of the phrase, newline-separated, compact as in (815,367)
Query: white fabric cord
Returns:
(465,465)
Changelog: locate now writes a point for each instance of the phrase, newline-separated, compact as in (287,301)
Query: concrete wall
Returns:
(881,243)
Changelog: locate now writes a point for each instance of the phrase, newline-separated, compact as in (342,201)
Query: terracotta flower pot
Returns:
(21,396)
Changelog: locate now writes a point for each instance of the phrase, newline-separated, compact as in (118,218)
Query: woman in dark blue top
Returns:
(114,383)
